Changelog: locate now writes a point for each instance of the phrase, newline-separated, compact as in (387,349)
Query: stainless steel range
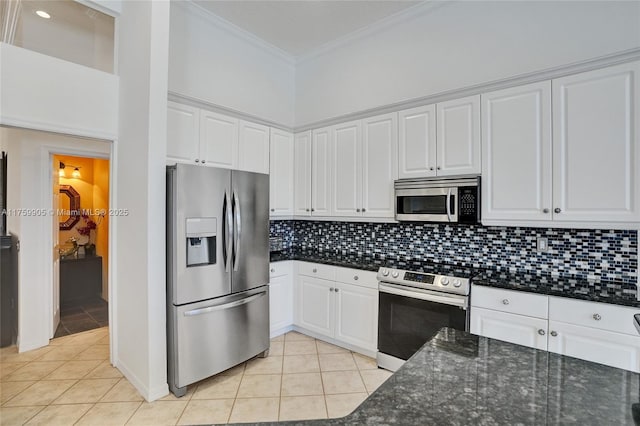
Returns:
(415,305)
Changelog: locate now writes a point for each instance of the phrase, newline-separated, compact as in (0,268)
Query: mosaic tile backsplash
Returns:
(593,254)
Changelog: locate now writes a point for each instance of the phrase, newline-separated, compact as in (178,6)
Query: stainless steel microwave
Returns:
(451,199)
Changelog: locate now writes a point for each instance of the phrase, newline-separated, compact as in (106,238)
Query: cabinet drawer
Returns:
(317,270)
(278,269)
(357,277)
(603,316)
(515,302)
(518,329)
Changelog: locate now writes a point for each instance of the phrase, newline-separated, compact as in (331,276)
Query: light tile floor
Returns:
(71,382)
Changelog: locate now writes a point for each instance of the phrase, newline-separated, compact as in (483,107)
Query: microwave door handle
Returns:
(449,205)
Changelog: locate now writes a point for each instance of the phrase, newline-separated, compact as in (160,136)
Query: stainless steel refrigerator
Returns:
(217,271)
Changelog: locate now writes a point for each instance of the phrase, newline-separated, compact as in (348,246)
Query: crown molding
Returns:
(397,18)
(504,83)
(234,30)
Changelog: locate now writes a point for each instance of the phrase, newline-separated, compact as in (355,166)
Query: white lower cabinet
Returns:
(604,347)
(315,305)
(343,312)
(356,310)
(597,332)
(519,329)
(280,297)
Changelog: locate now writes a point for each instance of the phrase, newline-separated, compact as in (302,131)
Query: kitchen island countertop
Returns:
(461,379)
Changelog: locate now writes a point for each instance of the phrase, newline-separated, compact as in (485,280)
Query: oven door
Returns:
(408,318)
(427,204)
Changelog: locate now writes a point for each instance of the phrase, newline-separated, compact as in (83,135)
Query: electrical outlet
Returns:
(542,244)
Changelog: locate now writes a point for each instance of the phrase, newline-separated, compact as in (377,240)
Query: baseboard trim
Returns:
(149,394)
(358,349)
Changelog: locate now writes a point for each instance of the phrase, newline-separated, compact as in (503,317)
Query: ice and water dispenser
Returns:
(201,241)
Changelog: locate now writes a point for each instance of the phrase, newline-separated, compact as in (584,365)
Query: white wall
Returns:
(46,93)
(30,186)
(457,45)
(214,65)
(140,187)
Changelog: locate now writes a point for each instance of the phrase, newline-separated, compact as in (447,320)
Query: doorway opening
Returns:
(81,241)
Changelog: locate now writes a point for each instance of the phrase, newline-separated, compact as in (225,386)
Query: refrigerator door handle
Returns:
(227,231)
(222,306)
(237,228)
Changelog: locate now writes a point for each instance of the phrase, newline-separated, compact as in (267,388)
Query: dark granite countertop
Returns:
(612,292)
(576,288)
(461,379)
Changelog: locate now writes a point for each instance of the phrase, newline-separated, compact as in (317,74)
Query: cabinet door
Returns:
(346,169)
(302,174)
(458,137)
(253,149)
(182,132)
(321,172)
(516,153)
(280,302)
(356,315)
(379,165)
(604,347)
(218,140)
(518,329)
(315,305)
(596,145)
(417,142)
(281,173)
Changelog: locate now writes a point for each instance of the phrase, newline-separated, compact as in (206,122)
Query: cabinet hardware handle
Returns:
(597,317)
(358,210)
(505,301)
(557,210)
(356,278)
(545,210)
(438,167)
(336,289)
(313,210)
(430,168)
(306,209)
(554,334)
(364,210)
(273,210)
(197,160)
(202,161)
(541,332)
(331,289)
(315,270)
(273,270)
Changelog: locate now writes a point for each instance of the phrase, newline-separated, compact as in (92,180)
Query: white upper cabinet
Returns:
(417,144)
(458,137)
(516,153)
(254,147)
(281,173)
(321,172)
(302,174)
(183,125)
(452,147)
(379,165)
(596,145)
(218,140)
(346,169)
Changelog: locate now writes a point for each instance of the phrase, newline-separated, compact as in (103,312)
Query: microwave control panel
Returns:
(468,205)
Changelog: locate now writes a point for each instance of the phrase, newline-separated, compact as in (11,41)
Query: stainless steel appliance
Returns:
(415,305)
(217,271)
(452,199)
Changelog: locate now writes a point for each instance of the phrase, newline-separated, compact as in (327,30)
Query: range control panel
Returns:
(425,281)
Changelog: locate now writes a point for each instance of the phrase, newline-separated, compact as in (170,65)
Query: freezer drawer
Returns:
(208,337)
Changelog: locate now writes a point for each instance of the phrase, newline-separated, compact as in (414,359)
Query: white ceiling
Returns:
(298,27)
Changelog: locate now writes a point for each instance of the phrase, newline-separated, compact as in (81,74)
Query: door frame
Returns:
(47,154)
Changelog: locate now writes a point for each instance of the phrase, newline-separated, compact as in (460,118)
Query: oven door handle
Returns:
(423,295)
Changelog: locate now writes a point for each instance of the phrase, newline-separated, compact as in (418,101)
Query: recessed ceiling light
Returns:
(43,14)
